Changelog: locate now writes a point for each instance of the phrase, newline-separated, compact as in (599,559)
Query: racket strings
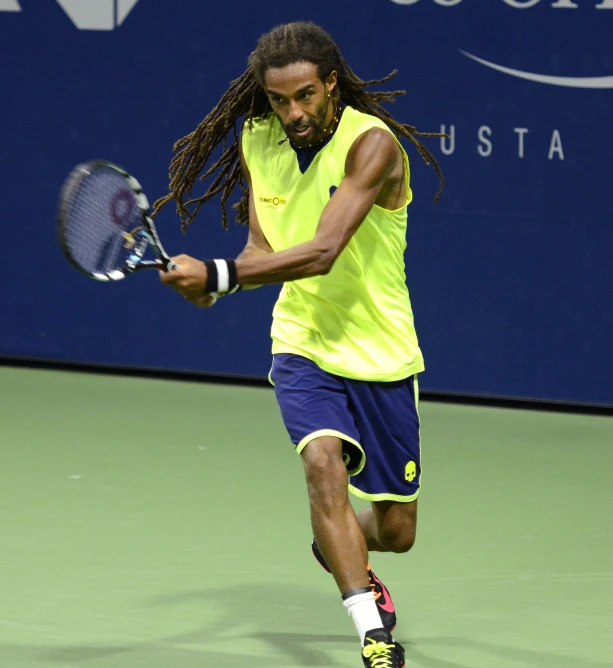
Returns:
(130,237)
(101,222)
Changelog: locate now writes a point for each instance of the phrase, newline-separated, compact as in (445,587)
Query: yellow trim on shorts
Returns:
(382,497)
(396,497)
(332,432)
(421,464)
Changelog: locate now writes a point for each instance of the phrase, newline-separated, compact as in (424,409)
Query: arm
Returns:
(370,162)
(190,279)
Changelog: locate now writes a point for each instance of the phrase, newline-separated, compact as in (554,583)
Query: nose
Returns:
(295,112)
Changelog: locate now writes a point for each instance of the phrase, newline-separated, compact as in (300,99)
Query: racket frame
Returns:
(149,234)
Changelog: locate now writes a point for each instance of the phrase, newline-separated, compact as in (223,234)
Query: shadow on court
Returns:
(488,655)
(262,625)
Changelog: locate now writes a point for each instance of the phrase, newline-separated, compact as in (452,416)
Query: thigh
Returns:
(387,418)
(314,404)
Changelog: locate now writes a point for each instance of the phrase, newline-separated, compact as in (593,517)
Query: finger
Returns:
(197,303)
(206,301)
(171,269)
(203,301)
(180,259)
(191,291)
(167,279)
(166,265)
(174,278)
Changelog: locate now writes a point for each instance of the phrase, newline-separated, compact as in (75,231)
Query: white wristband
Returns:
(223,276)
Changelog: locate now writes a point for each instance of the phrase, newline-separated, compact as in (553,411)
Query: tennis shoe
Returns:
(383,599)
(381,651)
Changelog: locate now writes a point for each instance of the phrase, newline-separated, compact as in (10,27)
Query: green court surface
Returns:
(150,523)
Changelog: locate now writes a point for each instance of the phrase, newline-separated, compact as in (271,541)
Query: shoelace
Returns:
(379,654)
(376,590)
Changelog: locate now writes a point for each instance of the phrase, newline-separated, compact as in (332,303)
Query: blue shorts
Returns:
(377,422)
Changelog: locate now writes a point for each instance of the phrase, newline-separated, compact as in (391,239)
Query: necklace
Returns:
(326,133)
(330,130)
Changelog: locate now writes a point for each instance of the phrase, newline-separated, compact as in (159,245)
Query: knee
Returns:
(398,539)
(324,468)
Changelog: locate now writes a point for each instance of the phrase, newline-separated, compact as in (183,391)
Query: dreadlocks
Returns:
(246,98)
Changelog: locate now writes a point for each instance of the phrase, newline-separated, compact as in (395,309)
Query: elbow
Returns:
(324,267)
(325,261)
(324,251)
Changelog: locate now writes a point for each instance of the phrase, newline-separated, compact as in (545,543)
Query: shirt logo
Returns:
(275,201)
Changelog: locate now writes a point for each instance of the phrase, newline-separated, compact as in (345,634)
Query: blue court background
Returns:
(511,275)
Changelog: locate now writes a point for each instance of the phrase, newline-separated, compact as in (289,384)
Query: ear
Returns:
(331,83)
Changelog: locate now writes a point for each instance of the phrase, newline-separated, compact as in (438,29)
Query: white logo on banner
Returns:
(518,4)
(566,82)
(87,14)
(569,82)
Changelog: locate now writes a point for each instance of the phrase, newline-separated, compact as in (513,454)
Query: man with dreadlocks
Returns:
(326,189)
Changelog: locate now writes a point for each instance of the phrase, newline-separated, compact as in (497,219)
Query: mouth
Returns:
(302,131)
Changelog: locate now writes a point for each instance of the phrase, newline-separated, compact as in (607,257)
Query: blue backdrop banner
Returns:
(511,274)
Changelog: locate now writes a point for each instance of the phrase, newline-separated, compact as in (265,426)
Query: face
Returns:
(301,100)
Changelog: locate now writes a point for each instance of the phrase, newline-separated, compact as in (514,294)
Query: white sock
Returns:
(364,612)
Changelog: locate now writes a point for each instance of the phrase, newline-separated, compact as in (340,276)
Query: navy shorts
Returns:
(377,422)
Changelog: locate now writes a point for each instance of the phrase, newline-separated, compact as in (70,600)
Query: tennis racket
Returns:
(103,223)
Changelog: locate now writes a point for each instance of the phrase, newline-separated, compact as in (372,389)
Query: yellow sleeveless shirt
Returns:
(356,321)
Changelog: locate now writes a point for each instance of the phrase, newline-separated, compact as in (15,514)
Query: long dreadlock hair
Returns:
(246,99)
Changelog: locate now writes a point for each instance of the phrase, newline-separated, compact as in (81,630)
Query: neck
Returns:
(332,117)
(328,131)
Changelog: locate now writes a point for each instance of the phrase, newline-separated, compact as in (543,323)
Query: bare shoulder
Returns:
(375,161)
(375,146)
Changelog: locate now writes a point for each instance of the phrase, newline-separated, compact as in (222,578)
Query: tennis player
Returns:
(326,187)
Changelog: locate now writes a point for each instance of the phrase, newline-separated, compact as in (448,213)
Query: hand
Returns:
(204,301)
(189,280)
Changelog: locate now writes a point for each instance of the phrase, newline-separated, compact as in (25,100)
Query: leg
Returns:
(335,526)
(315,409)
(389,420)
(389,526)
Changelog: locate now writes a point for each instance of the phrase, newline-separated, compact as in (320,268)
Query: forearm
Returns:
(247,253)
(308,259)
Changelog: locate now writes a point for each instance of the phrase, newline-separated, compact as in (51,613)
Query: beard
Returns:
(316,125)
